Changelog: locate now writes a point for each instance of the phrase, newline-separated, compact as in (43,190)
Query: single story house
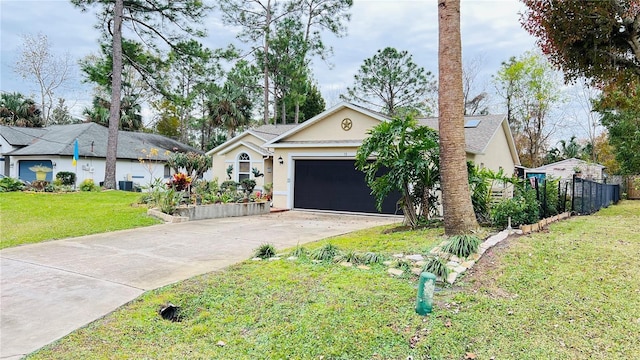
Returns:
(311,165)
(53,146)
(565,169)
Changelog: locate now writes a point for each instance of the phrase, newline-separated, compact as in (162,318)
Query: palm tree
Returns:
(229,108)
(459,217)
(17,110)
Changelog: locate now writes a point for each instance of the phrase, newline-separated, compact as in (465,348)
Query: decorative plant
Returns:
(88,185)
(8,184)
(179,181)
(298,251)
(325,253)
(40,168)
(265,251)
(268,190)
(169,201)
(437,266)
(350,256)
(372,258)
(462,245)
(248,185)
(66,177)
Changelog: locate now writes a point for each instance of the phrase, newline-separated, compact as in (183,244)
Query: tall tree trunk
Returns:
(459,217)
(266,66)
(116,89)
(284,113)
(297,116)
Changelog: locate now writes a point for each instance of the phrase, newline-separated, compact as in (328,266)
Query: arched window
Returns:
(244,166)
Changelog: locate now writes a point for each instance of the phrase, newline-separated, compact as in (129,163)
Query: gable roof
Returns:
(262,132)
(92,142)
(324,114)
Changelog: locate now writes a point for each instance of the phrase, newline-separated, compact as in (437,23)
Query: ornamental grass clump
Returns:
(299,251)
(265,251)
(462,245)
(437,266)
(370,258)
(351,257)
(325,253)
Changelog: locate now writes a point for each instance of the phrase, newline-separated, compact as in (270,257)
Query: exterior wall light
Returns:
(280,160)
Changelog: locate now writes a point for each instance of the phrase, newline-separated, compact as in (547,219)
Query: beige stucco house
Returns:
(311,165)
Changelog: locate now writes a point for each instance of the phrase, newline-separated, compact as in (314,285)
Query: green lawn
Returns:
(35,217)
(570,293)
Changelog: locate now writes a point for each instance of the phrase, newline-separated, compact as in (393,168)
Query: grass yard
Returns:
(570,293)
(34,217)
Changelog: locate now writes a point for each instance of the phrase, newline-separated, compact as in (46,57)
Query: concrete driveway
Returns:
(50,289)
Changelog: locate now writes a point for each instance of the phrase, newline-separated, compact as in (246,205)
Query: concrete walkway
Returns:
(51,289)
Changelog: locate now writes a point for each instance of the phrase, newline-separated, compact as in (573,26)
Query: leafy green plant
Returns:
(66,177)
(265,251)
(229,185)
(298,251)
(437,266)
(326,252)
(370,258)
(523,208)
(8,184)
(88,185)
(169,201)
(462,245)
(402,264)
(248,185)
(350,256)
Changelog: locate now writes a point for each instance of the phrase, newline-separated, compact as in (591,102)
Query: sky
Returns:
(491,34)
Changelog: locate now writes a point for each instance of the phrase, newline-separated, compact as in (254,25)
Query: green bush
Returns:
(66,178)
(437,266)
(265,251)
(523,208)
(229,185)
(169,200)
(326,253)
(551,197)
(8,184)
(89,185)
(462,245)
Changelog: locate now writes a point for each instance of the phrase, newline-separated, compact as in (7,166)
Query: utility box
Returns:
(426,288)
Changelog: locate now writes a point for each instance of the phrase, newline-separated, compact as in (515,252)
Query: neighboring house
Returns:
(565,169)
(53,146)
(311,165)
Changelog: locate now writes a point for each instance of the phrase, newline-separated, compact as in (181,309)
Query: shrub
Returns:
(229,185)
(325,253)
(39,185)
(523,208)
(66,178)
(88,185)
(8,184)
(437,266)
(298,251)
(179,181)
(248,185)
(169,201)
(462,245)
(372,258)
(265,251)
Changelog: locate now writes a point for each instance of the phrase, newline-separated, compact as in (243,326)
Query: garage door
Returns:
(335,185)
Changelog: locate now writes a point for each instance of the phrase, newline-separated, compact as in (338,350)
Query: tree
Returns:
(597,40)
(459,217)
(391,82)
(620,112)
(530,89)
(605,154)
(409,155)
(61,115)
(150,20)
(258,19)
(49,71)
(17,110)
(475,100)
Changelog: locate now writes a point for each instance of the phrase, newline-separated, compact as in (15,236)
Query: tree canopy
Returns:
(404,155)
(391,82)
(593,39)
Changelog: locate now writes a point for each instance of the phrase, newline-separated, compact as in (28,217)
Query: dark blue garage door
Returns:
(335,185)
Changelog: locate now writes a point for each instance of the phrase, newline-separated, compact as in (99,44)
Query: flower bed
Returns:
(214,211)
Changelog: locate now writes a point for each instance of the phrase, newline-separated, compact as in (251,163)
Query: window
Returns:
(244,167)
(473,123)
